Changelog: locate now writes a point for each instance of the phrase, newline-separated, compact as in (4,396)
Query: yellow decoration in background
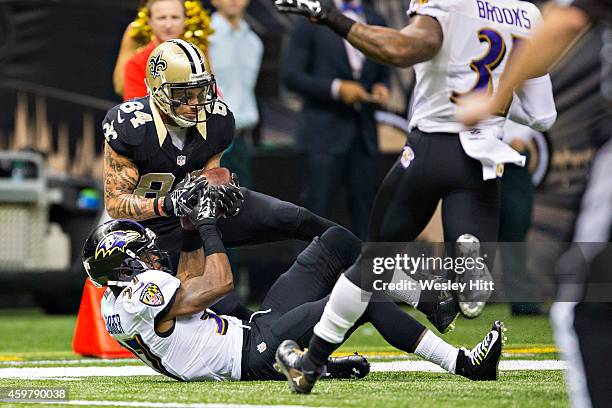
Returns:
(197,26)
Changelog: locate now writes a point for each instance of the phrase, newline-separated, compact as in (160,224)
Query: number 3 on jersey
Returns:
(485,65)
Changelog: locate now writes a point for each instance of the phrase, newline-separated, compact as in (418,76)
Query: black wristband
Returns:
(338,22)
(191,241)
(156,207)
(211,239)
(167,206)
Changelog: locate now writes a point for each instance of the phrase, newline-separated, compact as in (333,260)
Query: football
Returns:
(216,177)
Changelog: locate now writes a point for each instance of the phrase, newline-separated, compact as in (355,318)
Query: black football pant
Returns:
(439,170)
(261,219)
(297,299)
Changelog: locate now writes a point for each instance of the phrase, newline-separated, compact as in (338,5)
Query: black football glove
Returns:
(184,196)
(230,197)
(206,211)
(316,10)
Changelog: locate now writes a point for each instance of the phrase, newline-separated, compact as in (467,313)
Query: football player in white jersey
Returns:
(165,321)
(456,47)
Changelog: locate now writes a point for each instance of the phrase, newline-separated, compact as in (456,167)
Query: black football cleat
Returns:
(289,357)
(350,367)
(443,312)
(480,363)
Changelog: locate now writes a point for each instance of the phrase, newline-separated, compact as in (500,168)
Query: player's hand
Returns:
(183,197)
(230,197)
(474,108)
(380,94)
(206,211)
(352,92)
(315,10)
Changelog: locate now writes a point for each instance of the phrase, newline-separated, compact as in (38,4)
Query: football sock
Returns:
(346,304)
(397,327)
(434,349)
(409,295)
(319,351)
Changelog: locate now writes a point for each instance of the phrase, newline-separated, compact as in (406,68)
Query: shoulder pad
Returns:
(127,123)
(149,289)
(219,109)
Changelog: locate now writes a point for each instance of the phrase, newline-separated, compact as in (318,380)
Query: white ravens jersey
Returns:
(479,37)
(199,347)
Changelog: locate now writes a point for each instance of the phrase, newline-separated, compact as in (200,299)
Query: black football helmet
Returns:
(122,246)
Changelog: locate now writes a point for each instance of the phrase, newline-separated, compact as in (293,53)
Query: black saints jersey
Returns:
(135,130)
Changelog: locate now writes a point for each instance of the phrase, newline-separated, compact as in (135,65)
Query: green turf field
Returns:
(30,339)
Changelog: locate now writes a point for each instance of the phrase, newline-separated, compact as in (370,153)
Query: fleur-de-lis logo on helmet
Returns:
(157,64)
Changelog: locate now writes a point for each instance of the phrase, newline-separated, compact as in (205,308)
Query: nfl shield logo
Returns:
(180,160)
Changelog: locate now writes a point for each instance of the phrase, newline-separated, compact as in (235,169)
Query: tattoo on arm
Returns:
(418,42)
(120,179)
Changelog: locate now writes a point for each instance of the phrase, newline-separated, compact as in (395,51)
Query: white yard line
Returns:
(36,373)
(100,361)
(507,365)
(160,404)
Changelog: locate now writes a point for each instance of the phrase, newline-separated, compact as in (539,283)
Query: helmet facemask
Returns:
(187,102)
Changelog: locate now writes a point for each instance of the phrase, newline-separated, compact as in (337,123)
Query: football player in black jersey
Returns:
(152,143)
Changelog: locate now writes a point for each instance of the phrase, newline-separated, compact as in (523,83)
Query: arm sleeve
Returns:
(295,70)
(535,105)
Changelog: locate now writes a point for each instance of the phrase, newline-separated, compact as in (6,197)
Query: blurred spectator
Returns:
(236,53)
(156,22)
(516,204)
(167,21)
(337,131)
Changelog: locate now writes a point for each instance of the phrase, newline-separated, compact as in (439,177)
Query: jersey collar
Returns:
(160,126)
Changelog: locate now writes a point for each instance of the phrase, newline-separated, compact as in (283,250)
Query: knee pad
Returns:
(342,244)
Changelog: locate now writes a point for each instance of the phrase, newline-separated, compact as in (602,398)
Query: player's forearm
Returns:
(130,206)
(389,46)
(216,281)
(191,265)
(560,28)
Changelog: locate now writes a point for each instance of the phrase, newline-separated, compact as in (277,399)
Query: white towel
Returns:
(484,146)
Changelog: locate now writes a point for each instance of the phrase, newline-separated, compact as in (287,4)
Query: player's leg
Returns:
(400,191)
(406,199)
(263,218)
(309,279)
(404,205)
(315,271)
(399,329)
(470,217)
